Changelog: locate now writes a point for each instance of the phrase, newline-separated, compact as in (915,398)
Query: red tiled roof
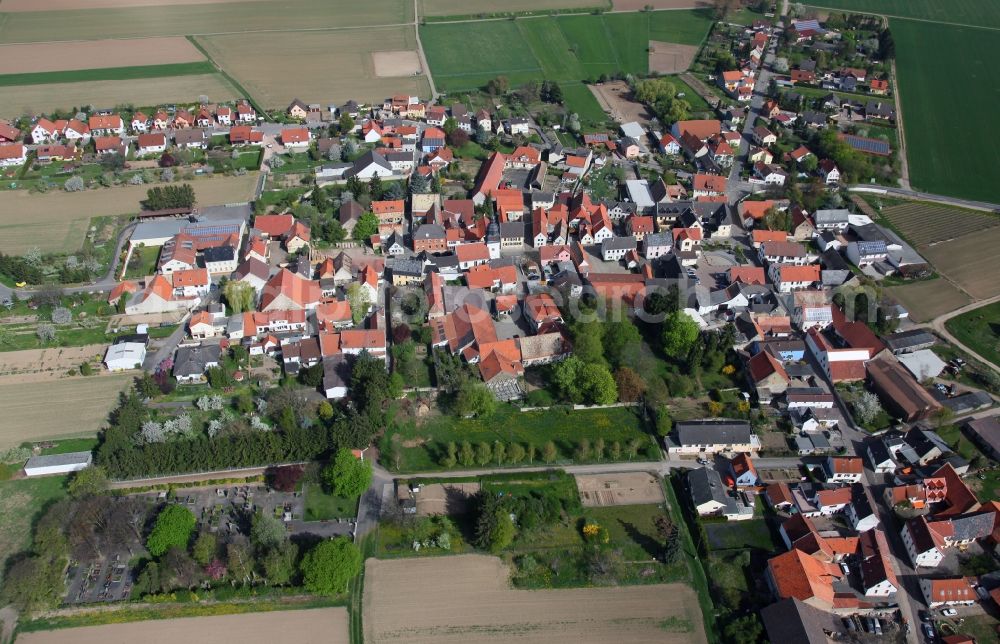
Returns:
(763,365)
(274,225)
(295,135)
(796,574)
(747,275)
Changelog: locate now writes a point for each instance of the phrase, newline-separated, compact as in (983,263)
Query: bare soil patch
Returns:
(57,221)
(670,58)
(468,599)
(34,99)
(95,54)
(445,498)
(626,488)
(616,98)
(338,64)
(69,5)
(61,408)
(315,626)
(639,5)
(39,365)
(393,64)
(970,261)
(927,300)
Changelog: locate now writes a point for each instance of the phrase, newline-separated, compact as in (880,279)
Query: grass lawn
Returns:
(697,103)
(732,535)
(943,146)
(952,435)
(68,445)
(145,264)
(321,506)
(421,447)
(107,73)
(578,98)
(979,330)
(21,502)
(566,48)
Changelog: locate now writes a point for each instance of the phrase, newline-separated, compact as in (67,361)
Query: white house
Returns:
(12,154)
(924,544)
(843,469)
(58,463)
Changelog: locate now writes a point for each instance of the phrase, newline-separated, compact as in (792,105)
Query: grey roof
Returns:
(428,231)
(973,526)
(219,254)
(350,210)
(862,501)
(968,402)
(879,453)
(336,371)
(838,217)
(833,261)
(367,159)
(448,260)
(411,267)
(618,243)
(721,431)
(791,620)
(706,485)
(657,239)
(191,361)
(71,458)
(512,229)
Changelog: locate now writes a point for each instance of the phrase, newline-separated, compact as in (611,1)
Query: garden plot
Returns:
(39,365)
(630,488)
(445,498)
(468,599)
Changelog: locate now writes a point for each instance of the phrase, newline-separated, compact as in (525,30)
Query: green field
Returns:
(196,19)
(984,13)
(578,98)
(20,504)
(421,448)
(564,48)
(107,73)
(320,506)
(948,94)
(979,330)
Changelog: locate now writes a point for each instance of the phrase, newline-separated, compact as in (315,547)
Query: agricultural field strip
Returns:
(925,224)
(138,72)
(25,58)
(142,22)
(272,70)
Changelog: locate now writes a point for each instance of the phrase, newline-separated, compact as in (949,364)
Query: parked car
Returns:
(924,615)
(929,633)
(949,612)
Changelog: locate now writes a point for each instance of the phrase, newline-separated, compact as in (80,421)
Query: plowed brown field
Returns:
(467,599)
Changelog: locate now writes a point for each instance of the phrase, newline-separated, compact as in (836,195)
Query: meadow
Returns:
(578,98)
(314,66)
(979,330)
(562,48)
(948,93)
(222,17)
(984,13)
(105,74)
(422,446)
(927,299)
(20,503)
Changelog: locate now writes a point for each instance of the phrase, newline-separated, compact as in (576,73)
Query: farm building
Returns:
(57,463)
(126,353)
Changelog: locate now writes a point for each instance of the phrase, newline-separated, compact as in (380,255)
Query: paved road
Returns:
(737,186)
(938,324)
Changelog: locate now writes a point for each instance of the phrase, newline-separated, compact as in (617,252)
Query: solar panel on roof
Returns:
(871,146)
